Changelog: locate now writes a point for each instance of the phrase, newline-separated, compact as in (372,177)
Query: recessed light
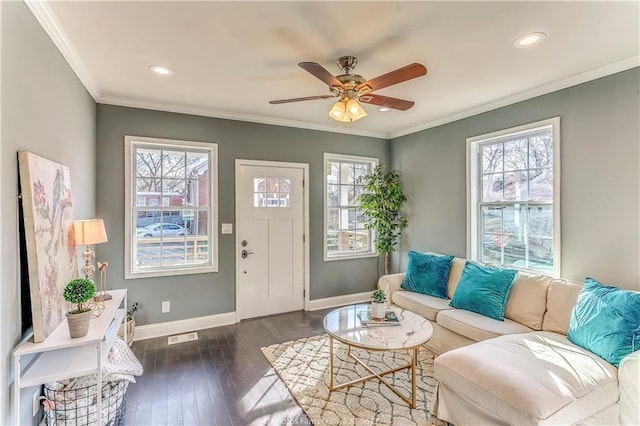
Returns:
(384,109)
(528,40)
(160,70)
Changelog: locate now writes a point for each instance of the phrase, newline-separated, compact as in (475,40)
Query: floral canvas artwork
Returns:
(51,253)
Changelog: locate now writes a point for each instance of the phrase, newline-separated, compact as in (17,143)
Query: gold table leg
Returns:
(414,357)
(411,367)
(331,388)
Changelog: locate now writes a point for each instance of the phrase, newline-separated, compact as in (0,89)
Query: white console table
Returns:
(60,357)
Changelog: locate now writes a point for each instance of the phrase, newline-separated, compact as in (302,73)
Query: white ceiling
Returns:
(230,58)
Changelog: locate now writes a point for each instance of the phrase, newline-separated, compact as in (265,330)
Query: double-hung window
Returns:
(345,236)
(514,197)
(171,215)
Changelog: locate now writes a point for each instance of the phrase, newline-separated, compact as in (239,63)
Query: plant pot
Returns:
(377,309)
(79,323)
(131,327)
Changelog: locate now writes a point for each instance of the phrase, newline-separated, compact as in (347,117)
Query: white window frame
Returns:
(344,158)
(474,187)
(212,228)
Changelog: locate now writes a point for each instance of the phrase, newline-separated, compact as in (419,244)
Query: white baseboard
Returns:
(330,302)
(161,329)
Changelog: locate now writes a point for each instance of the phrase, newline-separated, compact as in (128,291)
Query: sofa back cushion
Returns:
(457,266)
(561,298)
(527,301)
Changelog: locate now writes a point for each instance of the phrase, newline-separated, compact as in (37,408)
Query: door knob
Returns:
(245,253)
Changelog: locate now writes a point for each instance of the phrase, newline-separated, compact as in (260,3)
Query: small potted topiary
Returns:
(79,291)
(130,324)
(378,305)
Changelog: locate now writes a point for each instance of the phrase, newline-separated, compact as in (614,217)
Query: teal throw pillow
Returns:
(606,321)
(427,274)
(484,290)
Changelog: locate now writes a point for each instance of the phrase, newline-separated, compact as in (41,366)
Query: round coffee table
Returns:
(343,325)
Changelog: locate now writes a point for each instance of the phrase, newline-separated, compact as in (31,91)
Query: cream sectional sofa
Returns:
(523,371)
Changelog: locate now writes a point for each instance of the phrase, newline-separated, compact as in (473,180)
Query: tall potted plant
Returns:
(79,291)
(381,200)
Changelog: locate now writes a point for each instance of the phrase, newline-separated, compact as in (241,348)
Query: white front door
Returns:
(269,239)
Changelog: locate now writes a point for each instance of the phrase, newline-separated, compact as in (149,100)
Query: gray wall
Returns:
(47,111)
(600,177)
(207,294)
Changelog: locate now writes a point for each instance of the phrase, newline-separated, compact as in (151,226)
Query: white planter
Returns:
(377,309)
(131,328)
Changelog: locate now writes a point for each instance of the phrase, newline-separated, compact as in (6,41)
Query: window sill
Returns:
(553,273)
(349,257)
(169,272)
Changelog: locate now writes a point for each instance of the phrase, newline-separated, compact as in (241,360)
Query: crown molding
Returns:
(209,112)
(528,94)
(50,24)
(52,27)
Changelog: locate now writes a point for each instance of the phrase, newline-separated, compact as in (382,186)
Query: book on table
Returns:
(390,319)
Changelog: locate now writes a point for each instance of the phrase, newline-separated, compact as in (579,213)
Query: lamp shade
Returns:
(338,111)
(90,231)
(355,110)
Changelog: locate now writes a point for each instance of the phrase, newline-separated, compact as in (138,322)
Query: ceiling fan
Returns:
(353,88)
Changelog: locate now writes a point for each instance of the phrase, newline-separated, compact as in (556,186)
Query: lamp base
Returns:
(102,297)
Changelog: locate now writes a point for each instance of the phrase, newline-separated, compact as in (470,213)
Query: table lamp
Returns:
(88,232)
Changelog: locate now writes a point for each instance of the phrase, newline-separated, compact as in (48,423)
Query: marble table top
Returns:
(344,325)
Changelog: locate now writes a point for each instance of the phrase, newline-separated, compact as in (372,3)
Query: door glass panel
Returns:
(273,199)
(273,192)
(259,199)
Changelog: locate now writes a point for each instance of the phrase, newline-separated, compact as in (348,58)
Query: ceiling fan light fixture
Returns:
(529,40)
(347,111)
(384,109)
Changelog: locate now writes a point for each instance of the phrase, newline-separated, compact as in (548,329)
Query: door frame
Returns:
(305,213)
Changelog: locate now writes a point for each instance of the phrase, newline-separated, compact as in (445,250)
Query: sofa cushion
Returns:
(527,301)
(483,289)
(606,321)
(421,304)
(427,274)
(476,326)
(561,298)
(532,378)
(457,266)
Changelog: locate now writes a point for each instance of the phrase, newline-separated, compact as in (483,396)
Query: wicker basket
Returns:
(79,406)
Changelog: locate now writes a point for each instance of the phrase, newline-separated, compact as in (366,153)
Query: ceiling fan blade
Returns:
(386,101)
(308,98)
(394,77)
(320,72)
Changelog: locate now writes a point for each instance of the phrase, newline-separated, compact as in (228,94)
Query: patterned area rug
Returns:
(303,365)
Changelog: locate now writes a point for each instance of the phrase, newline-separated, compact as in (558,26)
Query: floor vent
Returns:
(180,338)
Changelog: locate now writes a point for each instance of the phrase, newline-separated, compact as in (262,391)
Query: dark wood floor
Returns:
(220,379)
